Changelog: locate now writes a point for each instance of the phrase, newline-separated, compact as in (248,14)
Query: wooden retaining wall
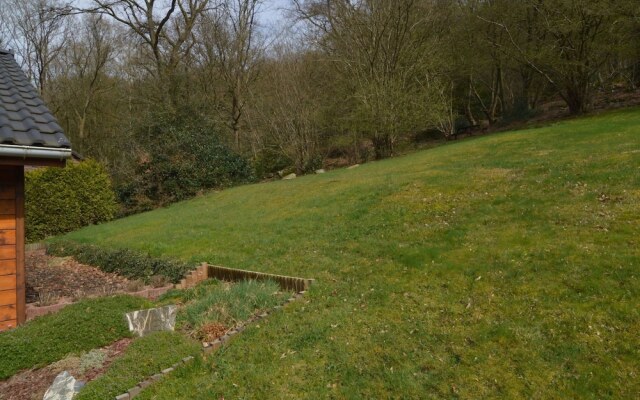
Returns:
(286,282)
(205,271)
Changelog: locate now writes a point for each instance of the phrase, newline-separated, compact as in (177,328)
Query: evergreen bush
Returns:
(183,156)
(60,200)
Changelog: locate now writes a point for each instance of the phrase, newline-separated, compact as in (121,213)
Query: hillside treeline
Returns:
(177,96)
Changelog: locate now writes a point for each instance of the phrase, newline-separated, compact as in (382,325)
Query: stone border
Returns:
(35,246)
(207,348)
(134,391)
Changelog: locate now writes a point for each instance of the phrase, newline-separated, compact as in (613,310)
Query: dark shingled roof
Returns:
(24,119)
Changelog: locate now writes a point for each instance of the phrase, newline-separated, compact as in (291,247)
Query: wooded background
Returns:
(177,96)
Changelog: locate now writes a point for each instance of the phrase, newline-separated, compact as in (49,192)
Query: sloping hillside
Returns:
(506,266)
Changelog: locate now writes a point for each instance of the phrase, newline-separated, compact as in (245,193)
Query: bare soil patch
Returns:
(51,279)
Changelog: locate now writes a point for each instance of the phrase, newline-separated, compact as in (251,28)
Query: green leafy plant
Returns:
(60,200)
(146,356)
(183,157)
(125,262)
(82,326)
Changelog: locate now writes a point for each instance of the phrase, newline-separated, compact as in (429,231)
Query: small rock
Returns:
(290,176)
(123,396)
(353,166)
(168,370)
(216,344)
(64,387)
(134,391)
(320,171)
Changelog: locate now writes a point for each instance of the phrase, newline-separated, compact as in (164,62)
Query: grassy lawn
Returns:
(505,266)
(80,327)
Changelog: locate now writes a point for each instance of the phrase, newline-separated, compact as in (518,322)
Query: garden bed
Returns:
(36,352)
(33,383)
(54,282)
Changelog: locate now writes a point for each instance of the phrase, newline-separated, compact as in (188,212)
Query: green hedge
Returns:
(124,262)
(60,200)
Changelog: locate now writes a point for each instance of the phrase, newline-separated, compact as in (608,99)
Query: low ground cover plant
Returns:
(77,328)
(206,311)
(145,357)
(129,263)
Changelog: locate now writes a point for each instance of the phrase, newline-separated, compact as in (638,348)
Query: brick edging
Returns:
(33,311)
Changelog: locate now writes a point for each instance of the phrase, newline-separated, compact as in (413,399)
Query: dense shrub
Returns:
(183,156)
(269,161)
(124,262)
(60,200)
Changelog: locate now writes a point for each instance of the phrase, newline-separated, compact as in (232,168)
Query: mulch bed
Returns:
(50,279)
(32,384)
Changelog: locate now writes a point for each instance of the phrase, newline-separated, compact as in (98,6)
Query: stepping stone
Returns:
(64,387)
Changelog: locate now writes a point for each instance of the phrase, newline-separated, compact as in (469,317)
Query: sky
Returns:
(271,10)
(272,19)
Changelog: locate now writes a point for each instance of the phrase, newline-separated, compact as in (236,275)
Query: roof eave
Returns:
(50,153)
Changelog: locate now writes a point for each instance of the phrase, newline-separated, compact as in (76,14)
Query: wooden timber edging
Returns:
(286,282)
(205,271)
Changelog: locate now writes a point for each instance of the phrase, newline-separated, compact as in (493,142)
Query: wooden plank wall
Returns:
(12,295)
(286,282)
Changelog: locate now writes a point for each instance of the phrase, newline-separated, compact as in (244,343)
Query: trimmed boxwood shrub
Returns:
(125,262)
(60,200)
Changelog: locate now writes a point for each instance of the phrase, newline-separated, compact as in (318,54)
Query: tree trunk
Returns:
(383,146)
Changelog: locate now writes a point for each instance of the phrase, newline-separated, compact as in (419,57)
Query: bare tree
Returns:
(85,61)
(383,52)
(39,30)
(165,27)
(287,110)
(231,46)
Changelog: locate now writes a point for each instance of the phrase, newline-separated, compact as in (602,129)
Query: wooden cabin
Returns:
(29,135)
